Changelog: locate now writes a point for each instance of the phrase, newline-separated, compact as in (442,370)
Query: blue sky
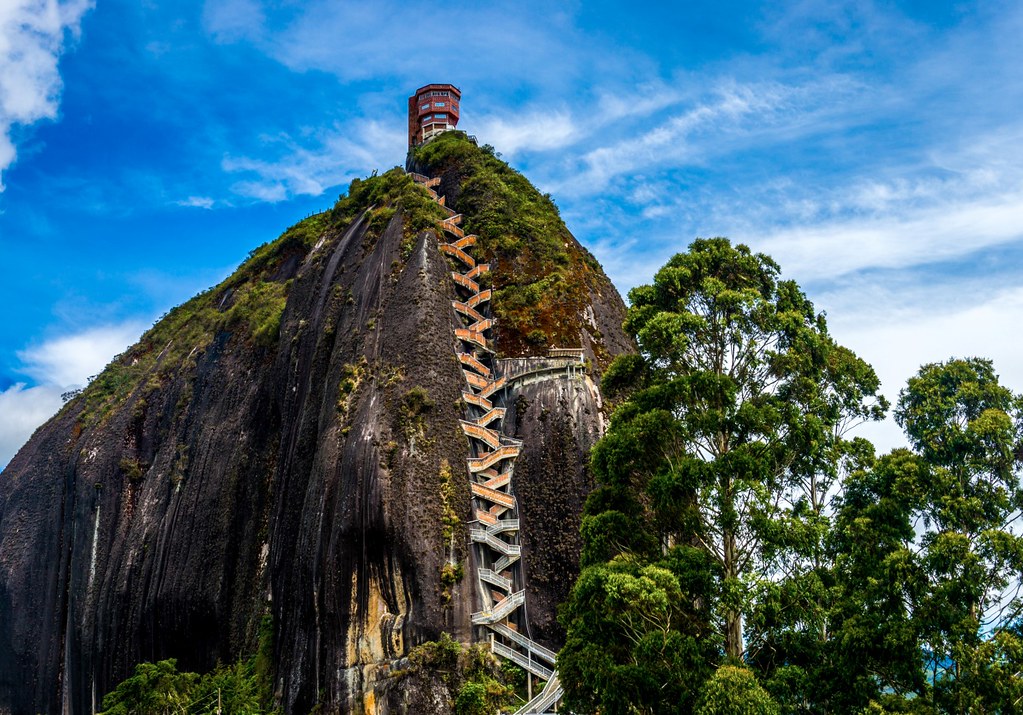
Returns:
(874,149)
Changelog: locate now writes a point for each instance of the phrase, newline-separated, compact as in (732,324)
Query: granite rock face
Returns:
(298,478)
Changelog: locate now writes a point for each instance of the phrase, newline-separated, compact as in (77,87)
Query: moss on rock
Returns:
(544,279)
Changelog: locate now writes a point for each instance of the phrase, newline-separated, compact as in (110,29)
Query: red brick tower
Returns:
(431,110)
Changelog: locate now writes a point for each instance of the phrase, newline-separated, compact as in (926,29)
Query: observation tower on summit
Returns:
(432,110)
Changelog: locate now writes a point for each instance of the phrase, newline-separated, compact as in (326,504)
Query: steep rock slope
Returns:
(549,290)
(275,447)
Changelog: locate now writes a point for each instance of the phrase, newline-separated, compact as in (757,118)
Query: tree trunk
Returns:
(733,635)
(733,618)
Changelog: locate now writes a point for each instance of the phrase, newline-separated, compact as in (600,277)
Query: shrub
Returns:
(735,691)
(132,469)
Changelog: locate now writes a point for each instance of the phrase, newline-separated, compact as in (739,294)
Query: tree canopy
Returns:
(725,442)
(742,552)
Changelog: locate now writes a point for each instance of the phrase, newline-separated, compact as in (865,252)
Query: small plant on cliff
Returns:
(352,375)
(474,679)
(449,516)
(414,406)
(451,571)
(260,305)
(132,469)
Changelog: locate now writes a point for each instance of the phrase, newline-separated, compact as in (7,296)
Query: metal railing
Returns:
(492,495)
(501,610)
(453,250)
(481,297)
(471,361)
(478,464)
(535,648)
(495,579)
(542,703)
(466,282)
(521,660)
(480,536)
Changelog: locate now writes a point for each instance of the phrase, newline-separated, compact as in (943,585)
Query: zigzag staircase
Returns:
(496,529)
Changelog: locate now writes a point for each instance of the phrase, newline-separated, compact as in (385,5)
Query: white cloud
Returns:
(538,130)
(901,239)
(22,410)
(336,157)
(199,202)
(954,203)
(896,333)
(641,100)
(71,359)
(709,126)
(56,365)
(32,37)
(233,20)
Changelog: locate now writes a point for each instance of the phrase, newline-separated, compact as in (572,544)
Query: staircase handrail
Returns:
(523,661)
(551,693)
(538,650)
(483,537)
(494,578)
(501,610)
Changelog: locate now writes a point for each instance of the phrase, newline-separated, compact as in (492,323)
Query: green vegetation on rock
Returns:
(451,571)
(250,303)
(542,276)
(475,681)
(385,193)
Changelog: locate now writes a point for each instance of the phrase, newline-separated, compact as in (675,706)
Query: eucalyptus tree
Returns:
(928,557)
(968,432)
(728,431)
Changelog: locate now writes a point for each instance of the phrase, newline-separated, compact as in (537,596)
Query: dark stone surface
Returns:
(329,519)
(558,420)
(260,494)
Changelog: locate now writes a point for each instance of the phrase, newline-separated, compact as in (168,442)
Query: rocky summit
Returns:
(280,464)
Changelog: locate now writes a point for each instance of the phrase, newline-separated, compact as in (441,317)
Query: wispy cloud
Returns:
(731,118)
(33,34)
(898,240)
(234,20)
(199,202)
(953,203)
(536,130)
(22,410)
(308,166)
(364,40)
(69,360)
